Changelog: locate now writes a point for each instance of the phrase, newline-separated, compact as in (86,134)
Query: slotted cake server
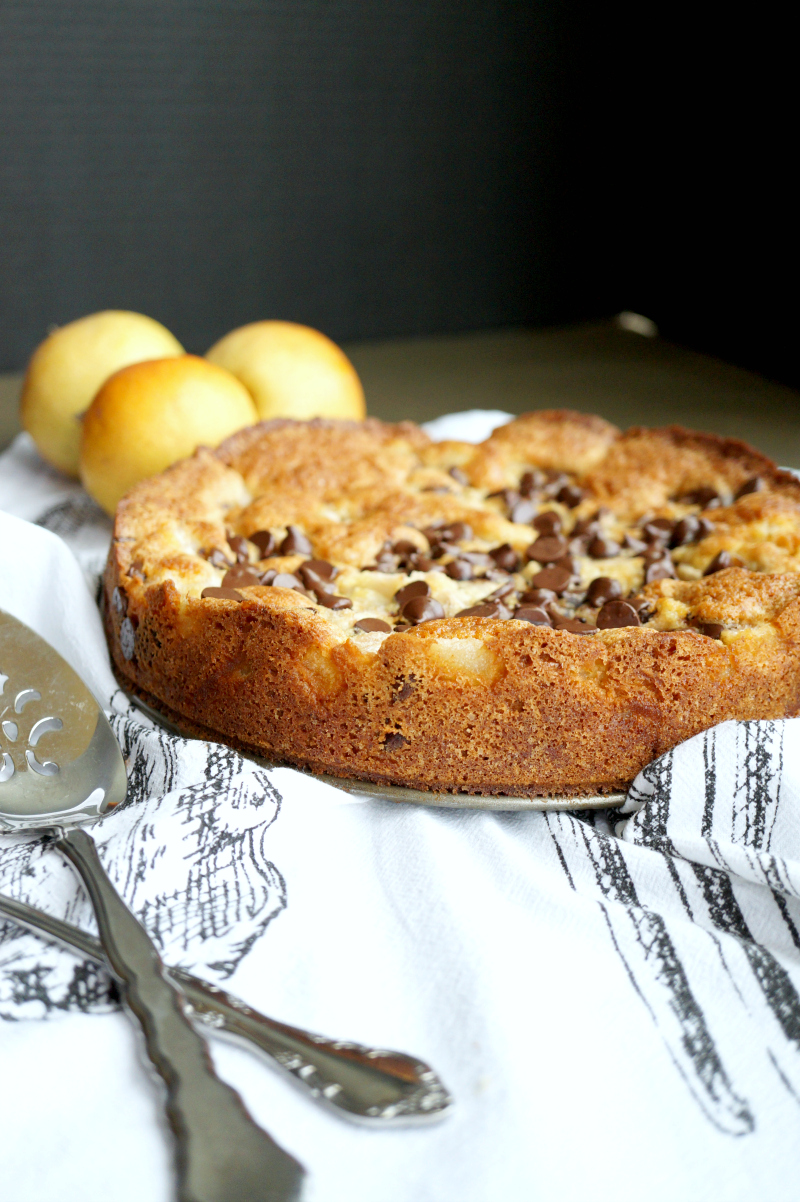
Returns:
(61,767)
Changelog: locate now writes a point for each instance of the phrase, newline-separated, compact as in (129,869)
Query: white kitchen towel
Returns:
(612,998)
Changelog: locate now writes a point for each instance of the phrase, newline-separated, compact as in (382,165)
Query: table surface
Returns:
(597,367)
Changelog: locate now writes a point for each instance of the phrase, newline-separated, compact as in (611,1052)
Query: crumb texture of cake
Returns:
(541,614)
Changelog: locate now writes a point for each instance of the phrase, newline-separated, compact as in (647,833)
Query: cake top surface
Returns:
(558,519)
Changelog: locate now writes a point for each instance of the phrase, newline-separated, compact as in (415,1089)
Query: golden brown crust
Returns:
(460,703)
(552,439)
(279,455)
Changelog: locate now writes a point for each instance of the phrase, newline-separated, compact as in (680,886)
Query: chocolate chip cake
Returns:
(537,615)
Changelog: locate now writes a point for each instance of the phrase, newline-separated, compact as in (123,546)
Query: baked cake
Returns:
(537,615)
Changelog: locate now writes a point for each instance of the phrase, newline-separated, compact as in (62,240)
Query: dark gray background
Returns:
(393,167)
(368,168)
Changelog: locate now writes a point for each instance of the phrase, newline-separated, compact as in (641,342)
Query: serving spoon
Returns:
(61,769)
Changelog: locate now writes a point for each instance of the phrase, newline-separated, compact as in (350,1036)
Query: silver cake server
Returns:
(60,768)
(377,1086)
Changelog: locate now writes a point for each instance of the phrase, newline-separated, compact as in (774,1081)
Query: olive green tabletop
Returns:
(600,367)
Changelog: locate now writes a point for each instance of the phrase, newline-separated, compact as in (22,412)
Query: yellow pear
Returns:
(151,414)
(67,369)
(291,371)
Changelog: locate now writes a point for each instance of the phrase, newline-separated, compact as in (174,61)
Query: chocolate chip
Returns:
(690,529)
(395,742)
(403,687)
(372,625)
(632,543)
(437,549)
(659,530)
(223,594)
(240,547)
(422,609)
(532,614)
(567,562)
(602,590)
(268,576)
(331,600)
(603,548)
(706,497)
(505,557)
(723,560)
(573,625)
(660,569)
(509,497)
(321,568)
(421,563)
(459,476)
(617,613)
(538,596)
(522,513)
(385,563)
(219,560)
(295,542)
(503,591)
(459,569)
(265,541)
(642,606)
(754,484)
(586,526)
(555,579)
(287,580)
(685,531)
(531,482)
(119,602)
(554,483)
(547,522)
(547,548)
(455,532)
(712,630)
(240,576)
(487,609)
(317,574)
(127,638)
(570,495)
(417,588)
(404,548)
(656,553)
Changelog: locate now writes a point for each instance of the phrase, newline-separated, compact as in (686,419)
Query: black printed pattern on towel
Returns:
(711,824)
(187,850)
(68,517)
(643,942)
